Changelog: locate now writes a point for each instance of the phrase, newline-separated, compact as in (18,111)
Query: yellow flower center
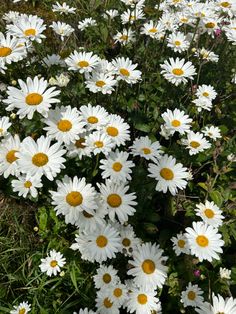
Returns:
(5,51)
(167,174)
(92,120)
(22,311)
(1,130)
(117,166)
(205,94)
(83,64)
(181,243)
(53,263)
(100,83)
(146,150)
(40,159)
(209,213)
(132,18)
(114,200)
(177,43)
(191,295)
(124,37)
(210,25)
(64,125)
(101,241)
(142,299)
(74,198)
(202,240)
(117,292)
(112,131)
(184,20)
(10,156)
(30,32)
(80,143)
(86,214)
(33,99)
(98,144)
(124,72)
(225,4)
(152,30)
(27,184)
(126,242)
(107,303)
(177,72)
(106,278)
(194,144)
(148,266)
(175,123)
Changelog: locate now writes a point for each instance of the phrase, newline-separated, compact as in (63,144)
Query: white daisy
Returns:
(64,124)
(117,293)
(89,222)
(85,311)
(210,213)
(95,117)
(72,197)
(25,185)
(178,42)
(83,62)
(177,71)
(99,245)
(192,296)
(206,55)
(117,167)
(132,16)
(129,240)
(53,59)
(219,306)
(100,82)
(8,159)
(78,148)
(180,244)
(105,276)
(111,14)
(169,174)
(99,142)
(62,29)
(153,29)
(203,103)
(148,269)
(22,308)
(40,157)
(31,97)
(125,37)
(204,241)
(196,143)
(117,201)
(177,121)
(104,305)
(212,132)
(147,149)
(125,70)
(63,8)
(117,130)
(4,125)
(206,91)
(52,264)
(86,23)
(225,273)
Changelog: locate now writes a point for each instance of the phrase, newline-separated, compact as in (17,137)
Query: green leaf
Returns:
(143,127)
(43,218)
(216,198)
(203,186)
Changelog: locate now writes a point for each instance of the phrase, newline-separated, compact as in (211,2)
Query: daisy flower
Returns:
(99,142)
(125,37)
(134,3)
(203,103)
(105,276)
(53,59)
(99,245)
(86,23)
(25,185)
(148,269)
(63,8)
(4,125)
(206,55)
(225,273)
(32,96)
(8,159)
(95,117)
(11,16)
(129,240)
(177,71)
(89,222)
(147,149)
(196,143)
(117,130)
(111,14)
(117,201)
(178,42)
(73,196)
(100,82)
(204,241)
(78,148)
(132,16)
(22,308)
(210,24)
(192,296)
(52,263)
(210,213)
(117,293)
(104,305)
(61,80)
(125,70)
(85,311)
(62,29)
(169,174)
(28,28)
(212,132)
(40,157)
(177,121)
(142,301)
(153,29)
(180,244)
(219,305)
(64,124)
(206,91)
(83,62)
(116,167)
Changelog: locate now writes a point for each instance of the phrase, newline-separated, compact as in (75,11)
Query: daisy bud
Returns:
(36,229)
(14,82)
(13,116)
